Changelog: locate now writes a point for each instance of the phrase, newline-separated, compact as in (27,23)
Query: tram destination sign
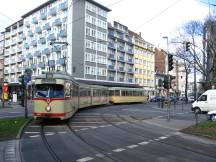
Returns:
(48,81)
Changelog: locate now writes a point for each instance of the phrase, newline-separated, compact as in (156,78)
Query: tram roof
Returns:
(126,89)
(107,83)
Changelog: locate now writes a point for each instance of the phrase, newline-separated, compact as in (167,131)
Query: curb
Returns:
(22,128)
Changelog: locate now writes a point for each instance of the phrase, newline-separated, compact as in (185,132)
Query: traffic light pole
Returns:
(26,101)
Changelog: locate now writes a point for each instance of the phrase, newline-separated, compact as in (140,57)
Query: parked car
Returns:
(155,99)
(191,99)
(212,115)
(206,102)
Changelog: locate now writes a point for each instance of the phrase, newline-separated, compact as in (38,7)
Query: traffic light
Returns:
(187,46)
(166,82)
(170,62)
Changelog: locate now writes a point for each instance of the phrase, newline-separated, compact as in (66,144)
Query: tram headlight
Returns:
(48,108)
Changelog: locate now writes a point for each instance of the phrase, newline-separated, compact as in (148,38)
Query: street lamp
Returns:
(166,56)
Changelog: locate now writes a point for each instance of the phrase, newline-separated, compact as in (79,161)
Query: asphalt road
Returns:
(117,133)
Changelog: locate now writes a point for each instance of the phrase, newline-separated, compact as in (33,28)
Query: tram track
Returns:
(48,146)
(95,147)
(148,137)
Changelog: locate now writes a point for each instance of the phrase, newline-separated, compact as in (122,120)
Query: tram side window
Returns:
(117,92)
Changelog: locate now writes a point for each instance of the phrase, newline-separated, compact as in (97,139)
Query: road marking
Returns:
(83,129)
(34,126)
(118,150)
(87,122)
(34,136)
(143,143)
(100,155)
(163,137)
(31,132)
(49,134)
(85,159)
(132,146)
(81,126)
(102,126)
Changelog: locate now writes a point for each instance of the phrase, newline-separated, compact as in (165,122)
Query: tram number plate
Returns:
(48,80)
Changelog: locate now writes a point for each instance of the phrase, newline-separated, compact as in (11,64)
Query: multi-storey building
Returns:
(89,40)
(120,54)
(13,52)
(144,62)
(1,56)
(50,22)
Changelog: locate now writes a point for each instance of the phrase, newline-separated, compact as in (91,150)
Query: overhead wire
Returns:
(160,13)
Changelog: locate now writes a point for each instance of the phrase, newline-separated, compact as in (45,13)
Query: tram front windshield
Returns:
(49,91)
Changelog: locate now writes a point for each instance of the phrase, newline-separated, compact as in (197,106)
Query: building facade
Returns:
(89,32)
(120,54)
(2,42)
(13,56)
(144,62)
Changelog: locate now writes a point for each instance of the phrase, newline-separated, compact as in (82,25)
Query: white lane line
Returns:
(118,150)
(100,155)
(102,126)
(34,136)
(31,132)
(49,134)
(76,130)
(83,129)
(132,146)
(85,159)
(163,137)
(81,126)
(93,127)
(143,143)
(151,140)
(87,122)
(34,126)
(156,139)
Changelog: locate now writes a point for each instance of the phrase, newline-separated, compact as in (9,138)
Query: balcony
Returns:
(12,70)
(27,24)
(112,57)
(111,45)
(121,79)
(121,69)
(41,65)
(34,20)
(52,11)
(121,36)
(33,66)
(61,61)
(51,63)
(37,54)
(29,56)
(30,34)
(20,30)
(130,80)
(52,37)
(19,70)
(6,71)
(34,43)
(47,27)
(56,49)
(57,22)
(12,51)
(42,40)
(13,42)
(38,30)
(13,61)
(6,53)
(63,6)
(121,59)
(62,33)
(111,34)
(111,67)
(130,51)
(130,40)
(130,61)
(26,46)
(130,71)
(111,78)
(46,51)
(121,48)
(43,16)
(6,62)
(21,58)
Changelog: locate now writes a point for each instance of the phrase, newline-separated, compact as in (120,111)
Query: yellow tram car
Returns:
(127,95)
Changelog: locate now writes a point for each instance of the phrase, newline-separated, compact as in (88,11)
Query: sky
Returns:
(153,18)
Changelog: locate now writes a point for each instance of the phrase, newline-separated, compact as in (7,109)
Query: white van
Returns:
(206,102)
